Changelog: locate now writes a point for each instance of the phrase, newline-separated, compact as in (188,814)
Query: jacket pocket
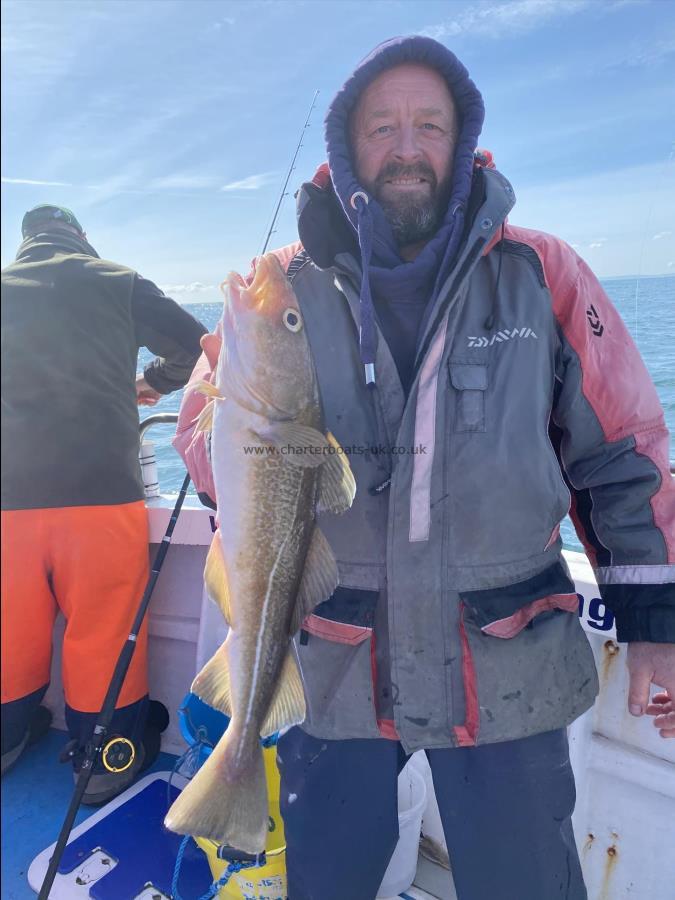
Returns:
(503,612)
(335,654)
(339,632)
(346,617)
(470,381)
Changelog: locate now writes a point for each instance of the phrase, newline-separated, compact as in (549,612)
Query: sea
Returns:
(647,306)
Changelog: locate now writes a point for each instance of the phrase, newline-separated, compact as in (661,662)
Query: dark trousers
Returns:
(16,719)
(506,812)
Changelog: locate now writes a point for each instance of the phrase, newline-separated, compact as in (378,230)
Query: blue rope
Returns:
(190,759)
(176,868)
(231,870)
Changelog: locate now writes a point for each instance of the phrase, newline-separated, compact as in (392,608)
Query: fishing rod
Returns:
(288,175)
(95,744)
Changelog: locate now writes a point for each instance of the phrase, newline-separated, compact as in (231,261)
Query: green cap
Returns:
(46,216)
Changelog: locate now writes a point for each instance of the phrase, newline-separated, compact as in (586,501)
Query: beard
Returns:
(414,216)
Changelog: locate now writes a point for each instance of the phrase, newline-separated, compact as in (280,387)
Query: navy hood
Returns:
(382,264)
(394,52)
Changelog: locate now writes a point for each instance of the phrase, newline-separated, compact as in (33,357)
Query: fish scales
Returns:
(266,561)
(269,564)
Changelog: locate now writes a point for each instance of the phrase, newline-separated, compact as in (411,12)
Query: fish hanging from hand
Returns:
(269,564)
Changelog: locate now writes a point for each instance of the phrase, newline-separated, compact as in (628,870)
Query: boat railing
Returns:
(157,419)
(146,454)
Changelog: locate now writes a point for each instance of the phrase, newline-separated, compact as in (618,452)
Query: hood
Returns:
(383,269)
(470,109)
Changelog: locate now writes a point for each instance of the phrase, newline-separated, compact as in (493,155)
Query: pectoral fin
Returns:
(337,487)
(212,685)
(205,418)
(299,445)
(288,703)
(215,578)
(210,390)
(319,579)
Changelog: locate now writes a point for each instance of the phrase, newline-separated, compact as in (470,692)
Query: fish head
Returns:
(265,361)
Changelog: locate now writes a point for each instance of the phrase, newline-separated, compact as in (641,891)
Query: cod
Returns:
(269,564)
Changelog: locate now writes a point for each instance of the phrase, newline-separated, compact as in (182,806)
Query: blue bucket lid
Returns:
(200,722)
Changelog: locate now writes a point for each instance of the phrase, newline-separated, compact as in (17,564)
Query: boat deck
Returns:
(35,796)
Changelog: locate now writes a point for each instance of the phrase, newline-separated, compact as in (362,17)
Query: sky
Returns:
(169,127)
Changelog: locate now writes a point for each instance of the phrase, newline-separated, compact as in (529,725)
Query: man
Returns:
(438,328)
(74,524)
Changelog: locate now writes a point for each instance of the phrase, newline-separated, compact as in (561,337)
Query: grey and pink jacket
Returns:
(455,622)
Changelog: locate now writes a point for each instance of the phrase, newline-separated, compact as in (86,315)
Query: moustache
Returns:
(398,170)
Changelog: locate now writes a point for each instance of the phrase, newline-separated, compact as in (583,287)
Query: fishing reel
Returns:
(118,754)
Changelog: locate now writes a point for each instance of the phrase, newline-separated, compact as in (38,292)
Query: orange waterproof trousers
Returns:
(91,562)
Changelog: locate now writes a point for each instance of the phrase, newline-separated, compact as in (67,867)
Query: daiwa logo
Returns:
(502,336)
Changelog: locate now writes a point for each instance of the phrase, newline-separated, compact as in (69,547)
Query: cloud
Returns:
(252,183)
(184,180)
(515,16)
(661,234)
(671,264)
(642,55)
(600,242)
(35,182)
(130,183)
(194,287)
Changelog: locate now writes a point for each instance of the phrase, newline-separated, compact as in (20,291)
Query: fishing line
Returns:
(644,235)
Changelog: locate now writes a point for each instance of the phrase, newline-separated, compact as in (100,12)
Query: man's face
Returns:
(403,133)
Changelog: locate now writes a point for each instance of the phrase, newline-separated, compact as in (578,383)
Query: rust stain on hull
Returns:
(610,865)
(589,843)
(610,651)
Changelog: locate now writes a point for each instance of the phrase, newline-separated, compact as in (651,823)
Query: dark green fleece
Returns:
(72,325)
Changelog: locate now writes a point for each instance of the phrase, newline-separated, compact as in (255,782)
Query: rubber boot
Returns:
(38,727)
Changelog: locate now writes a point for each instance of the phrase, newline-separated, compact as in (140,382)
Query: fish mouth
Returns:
(235,280)
(268,279)
(233,286)
(268,285)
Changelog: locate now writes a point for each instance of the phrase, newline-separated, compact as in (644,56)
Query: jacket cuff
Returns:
(655,624)
(153,375)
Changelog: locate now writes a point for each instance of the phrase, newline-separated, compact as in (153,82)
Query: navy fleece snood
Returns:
(401,289)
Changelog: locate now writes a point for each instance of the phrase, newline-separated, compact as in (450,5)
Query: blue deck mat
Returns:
(35,797)
(133,834)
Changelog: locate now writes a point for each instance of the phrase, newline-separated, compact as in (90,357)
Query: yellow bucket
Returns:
(266,882)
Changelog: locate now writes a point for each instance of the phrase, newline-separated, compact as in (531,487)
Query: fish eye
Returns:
(292,320)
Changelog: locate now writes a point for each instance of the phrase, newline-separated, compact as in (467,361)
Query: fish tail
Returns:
(226,802)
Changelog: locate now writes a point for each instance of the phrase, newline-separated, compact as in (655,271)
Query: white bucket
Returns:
(412,798)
